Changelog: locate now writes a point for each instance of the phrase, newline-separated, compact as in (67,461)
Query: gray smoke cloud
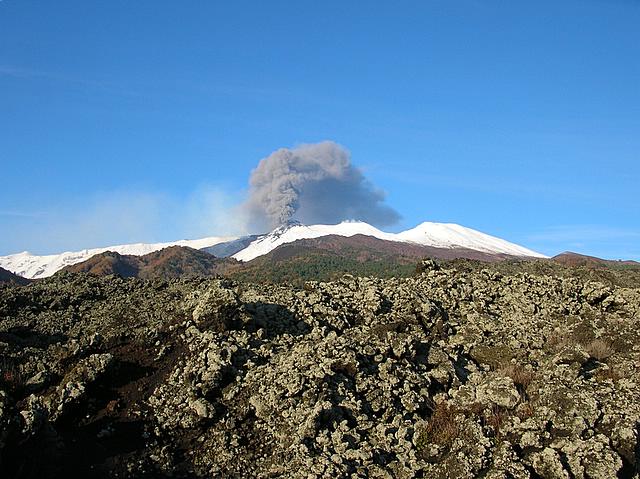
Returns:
(314,183)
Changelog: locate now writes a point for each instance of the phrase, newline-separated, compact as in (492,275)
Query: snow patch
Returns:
(41,266)
(296,231)
(438,235)
(451,235)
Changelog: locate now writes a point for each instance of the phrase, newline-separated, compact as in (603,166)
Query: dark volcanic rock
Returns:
(9,277)
(576,259)
(447,374)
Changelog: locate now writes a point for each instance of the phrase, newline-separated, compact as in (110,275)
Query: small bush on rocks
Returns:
(600,349)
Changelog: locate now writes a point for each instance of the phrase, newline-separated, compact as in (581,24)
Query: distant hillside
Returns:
(329,257)
(576,259)
(567,265)
(442,236)
(9,277)
(107,263)
(171,262)
(229,248)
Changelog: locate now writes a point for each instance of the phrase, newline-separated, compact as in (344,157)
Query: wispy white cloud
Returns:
(503,186)
(124,216)
(597,240)
(19,214)
(13,71)
(127,88)
(21,72)
(583,233)
(10,71)
(212,210)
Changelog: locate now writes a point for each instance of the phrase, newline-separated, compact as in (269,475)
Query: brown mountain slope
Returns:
(172,262)
(9,277)
(611,273)
(180,261)
(309,259)
(107,263)
(331,256)
(575,259)
(368,245)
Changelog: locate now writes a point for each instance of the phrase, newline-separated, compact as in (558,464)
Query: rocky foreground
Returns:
(448,374)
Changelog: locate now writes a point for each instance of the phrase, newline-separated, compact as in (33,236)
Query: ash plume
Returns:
(314,183)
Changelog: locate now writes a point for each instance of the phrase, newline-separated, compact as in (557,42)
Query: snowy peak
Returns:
(451,235)
(282,229)
(293,232)
(41,266)
(437,235)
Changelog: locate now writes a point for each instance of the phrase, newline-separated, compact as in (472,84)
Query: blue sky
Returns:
(130,121)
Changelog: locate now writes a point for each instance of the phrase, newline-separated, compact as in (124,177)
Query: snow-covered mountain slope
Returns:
(438,235)
(295,231)
(229,248)
(40,266)
(451,235)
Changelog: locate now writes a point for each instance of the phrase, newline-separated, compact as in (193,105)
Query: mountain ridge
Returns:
(570,258)
(41,266)
(330,257)
(438,235)
(320,258)
(9,277)
(246,248)
(170,262)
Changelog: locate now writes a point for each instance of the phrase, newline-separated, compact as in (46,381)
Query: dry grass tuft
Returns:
(494,418)
(475,409)
(441,428)
(521,376)
(557,340)
(603,374)
(525,411)
(599,349)
(10,375)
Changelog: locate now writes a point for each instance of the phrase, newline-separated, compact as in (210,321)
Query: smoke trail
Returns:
(313,183)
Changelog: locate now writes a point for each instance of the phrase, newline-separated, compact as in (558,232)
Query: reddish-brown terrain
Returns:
(172,262)
(9,277)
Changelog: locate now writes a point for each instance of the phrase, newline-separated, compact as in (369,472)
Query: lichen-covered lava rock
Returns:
(447,374)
